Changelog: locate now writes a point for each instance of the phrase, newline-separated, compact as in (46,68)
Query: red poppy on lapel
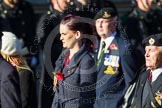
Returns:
(113,47)
(59,76)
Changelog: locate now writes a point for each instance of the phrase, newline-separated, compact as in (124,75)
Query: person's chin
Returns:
(103,36)
(147,60)
(64,46)
(148,65)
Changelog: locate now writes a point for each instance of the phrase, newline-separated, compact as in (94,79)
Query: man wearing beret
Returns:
(9,85)
(116,63)
(148,93)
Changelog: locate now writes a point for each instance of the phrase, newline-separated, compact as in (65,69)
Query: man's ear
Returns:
(77,35)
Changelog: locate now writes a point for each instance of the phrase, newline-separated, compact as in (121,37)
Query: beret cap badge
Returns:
(106,15)
(151,41)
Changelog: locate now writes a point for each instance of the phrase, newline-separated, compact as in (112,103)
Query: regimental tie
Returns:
(101,53)
(150,77)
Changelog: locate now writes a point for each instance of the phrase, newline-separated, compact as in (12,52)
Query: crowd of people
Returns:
(81,54)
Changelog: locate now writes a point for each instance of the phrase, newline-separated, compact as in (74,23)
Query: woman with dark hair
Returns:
(75,71)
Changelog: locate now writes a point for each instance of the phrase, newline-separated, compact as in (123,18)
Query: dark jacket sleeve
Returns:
(10,88)
(27,86)
(128,60)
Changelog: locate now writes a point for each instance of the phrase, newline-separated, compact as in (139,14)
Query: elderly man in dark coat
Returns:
(148,93)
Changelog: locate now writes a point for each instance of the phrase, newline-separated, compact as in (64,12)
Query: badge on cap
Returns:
(106,15)
(151,41)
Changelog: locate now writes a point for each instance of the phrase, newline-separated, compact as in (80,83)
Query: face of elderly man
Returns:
(153,57)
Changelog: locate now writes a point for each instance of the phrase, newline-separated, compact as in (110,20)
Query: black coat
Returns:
(139,101)
(49,37)
(144,24)
(28,91)
(9,86)
(140,25)
(19,20)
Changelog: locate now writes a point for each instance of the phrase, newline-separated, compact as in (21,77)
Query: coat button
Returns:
(68,71)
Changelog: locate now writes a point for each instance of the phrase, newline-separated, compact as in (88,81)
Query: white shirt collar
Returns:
(108,41)
(156,73)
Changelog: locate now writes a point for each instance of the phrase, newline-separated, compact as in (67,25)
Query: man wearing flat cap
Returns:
(148,93)
(116,63)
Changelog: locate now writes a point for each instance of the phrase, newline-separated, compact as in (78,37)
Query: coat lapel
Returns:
(147,98)
(74,62)
(140,88)
(155,87)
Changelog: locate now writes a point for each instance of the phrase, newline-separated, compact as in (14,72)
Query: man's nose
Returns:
(100,24)
(147,54)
